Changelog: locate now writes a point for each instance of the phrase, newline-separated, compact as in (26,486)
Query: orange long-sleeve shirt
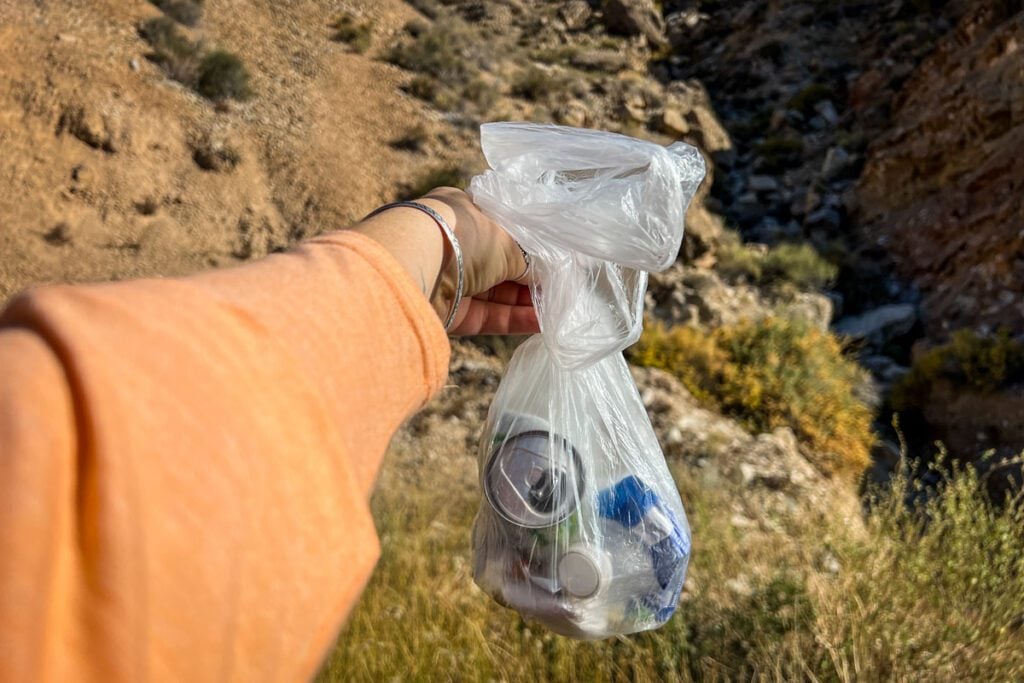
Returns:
(185,464)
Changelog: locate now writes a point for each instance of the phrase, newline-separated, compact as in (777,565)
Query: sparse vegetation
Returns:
(771,373)
(439,52)
(797,264)
(903,600)
(217,75)
(356,33)
(414,140)
(537,84)
(482,93)
(981,362)
(186,12)
(222,75)
(172,50)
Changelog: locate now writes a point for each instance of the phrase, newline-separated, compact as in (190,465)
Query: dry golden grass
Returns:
(901,601)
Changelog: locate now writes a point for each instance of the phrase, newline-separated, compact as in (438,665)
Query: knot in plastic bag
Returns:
(596,211)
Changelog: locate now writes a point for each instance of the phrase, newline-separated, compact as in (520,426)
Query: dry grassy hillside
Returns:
(100,147)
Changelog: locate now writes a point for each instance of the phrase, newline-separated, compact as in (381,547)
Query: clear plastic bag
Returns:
(581,527)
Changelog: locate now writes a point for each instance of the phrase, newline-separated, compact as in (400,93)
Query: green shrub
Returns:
(222,75)
(187,12)
(770,373)
(981,362)
(799,264)
(357,34)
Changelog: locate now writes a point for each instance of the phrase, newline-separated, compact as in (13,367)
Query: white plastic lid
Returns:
(579,574)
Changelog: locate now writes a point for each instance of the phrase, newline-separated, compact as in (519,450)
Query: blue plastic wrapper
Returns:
(581,527)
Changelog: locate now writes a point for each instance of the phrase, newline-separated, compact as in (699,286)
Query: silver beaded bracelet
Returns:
(450,234)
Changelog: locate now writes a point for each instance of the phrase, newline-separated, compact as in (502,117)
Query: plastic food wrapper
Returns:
(581,527)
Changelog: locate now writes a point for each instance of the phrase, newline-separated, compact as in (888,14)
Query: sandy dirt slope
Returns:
(97,172)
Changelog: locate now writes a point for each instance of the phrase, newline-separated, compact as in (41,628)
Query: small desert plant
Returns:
(172,50)
(799,264)
(187,12)
(981,362)
(535,83)
(482,93)
(770,373)
(438,52)
(357,34)
(414,140)
(222,75)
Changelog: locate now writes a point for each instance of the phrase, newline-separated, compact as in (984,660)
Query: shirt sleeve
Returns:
(185,464)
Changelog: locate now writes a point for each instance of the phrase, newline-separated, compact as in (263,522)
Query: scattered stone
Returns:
(836,161)
(133,64)
(879,325)
(827,111)
(763,183)
(607,61)
(635,18)
(673,123)
(825,217)
(573,113)
(635,106)
(813,307)
(575,14)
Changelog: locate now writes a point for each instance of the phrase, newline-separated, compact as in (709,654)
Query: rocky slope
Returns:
(810,116)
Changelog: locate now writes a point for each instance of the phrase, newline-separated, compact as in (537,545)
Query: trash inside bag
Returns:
(581,527)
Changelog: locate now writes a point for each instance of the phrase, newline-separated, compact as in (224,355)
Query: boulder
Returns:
(673,123)
(575,14)
(573,113)
(879,325)
(635,18)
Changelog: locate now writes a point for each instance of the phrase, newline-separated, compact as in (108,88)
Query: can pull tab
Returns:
(547,488)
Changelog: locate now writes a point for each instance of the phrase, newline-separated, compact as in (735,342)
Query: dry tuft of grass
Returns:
(771,373)
(355,33)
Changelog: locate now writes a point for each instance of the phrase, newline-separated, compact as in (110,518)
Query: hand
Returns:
(496,299)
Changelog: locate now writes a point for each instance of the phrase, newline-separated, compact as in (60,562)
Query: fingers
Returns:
(508,293)
(489,317)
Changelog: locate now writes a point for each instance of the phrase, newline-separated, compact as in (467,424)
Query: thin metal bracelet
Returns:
(460,282)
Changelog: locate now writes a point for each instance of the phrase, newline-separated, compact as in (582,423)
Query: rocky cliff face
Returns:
(943,189)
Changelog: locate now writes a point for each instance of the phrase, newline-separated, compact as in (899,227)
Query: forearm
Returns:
(209,487)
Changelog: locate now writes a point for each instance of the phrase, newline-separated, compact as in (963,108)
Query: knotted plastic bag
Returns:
(581,527)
